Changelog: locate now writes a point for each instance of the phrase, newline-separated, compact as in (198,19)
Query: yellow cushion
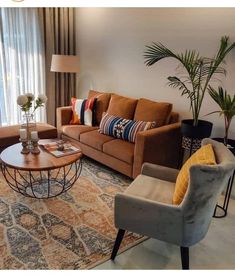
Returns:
(204,155)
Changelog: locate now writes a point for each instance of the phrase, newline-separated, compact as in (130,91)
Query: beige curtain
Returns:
(22,68)
(58,26)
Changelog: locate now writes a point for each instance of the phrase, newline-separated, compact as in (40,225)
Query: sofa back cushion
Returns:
(174,117)
(102,102)
(122,128)
(148,110)
(122,106)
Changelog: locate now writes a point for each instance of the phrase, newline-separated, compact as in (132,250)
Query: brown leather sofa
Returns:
(160,145)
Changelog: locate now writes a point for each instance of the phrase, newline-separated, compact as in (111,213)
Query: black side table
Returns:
(224,207)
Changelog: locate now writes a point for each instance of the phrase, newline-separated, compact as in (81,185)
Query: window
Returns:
(22,61)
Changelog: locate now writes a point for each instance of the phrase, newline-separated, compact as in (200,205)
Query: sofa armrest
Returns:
(160,172)
(63,117)
(160,146)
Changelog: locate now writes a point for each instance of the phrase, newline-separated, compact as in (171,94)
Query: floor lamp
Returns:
(68,65)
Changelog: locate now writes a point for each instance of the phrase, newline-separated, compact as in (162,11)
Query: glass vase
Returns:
(28,123)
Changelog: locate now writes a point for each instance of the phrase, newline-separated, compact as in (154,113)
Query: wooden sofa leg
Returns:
(117,243)
(184,257)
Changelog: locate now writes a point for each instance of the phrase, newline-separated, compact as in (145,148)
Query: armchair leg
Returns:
(117,243)
(184,257)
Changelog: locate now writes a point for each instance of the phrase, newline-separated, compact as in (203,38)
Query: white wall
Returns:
(111,42)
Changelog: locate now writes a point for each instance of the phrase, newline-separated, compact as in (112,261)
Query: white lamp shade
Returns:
(65,63)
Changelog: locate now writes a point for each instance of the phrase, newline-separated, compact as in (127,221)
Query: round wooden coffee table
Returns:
(39,176)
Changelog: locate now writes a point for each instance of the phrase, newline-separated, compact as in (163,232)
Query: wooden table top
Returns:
(12,157)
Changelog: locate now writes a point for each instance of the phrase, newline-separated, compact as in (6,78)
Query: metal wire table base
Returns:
(42,184)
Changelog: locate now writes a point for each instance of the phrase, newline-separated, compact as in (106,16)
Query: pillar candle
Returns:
(34,135)
(23,134)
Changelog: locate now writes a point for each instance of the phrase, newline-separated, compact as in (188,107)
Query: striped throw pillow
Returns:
(122,128)
(83,111)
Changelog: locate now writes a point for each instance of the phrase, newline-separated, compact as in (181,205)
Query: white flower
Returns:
(30,95)
(42,98)
(22,100)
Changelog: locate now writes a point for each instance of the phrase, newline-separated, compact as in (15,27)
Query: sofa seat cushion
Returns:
(74,131)
(102,102)
(122,106)
(152,188)
(120,149)
(147,110)
(95,139)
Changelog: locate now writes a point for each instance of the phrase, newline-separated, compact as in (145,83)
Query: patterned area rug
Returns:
(72,231)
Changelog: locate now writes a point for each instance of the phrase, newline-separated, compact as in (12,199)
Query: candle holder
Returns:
(35,149)
(25,149)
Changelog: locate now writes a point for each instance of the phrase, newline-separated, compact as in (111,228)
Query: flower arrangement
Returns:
(29,105)
(25,101)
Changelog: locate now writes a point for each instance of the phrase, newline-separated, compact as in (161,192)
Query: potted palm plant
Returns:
(227,106)
(194,85)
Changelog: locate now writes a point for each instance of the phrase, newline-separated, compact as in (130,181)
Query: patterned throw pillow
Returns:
(83,111)
(122,128)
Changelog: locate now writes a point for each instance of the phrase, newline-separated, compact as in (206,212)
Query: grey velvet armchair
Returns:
(146,206)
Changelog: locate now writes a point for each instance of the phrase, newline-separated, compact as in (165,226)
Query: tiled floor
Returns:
(215,251)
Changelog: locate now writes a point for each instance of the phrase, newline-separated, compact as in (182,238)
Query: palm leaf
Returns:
(224,101)
(177,83)
(158,51)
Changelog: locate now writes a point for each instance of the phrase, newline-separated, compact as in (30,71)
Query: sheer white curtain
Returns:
(22,61)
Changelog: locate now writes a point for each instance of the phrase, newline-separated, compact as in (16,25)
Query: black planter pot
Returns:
(202,130)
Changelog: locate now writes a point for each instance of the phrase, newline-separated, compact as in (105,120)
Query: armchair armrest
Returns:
(160,172)
(149,218)
(160,146)
(63,116)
